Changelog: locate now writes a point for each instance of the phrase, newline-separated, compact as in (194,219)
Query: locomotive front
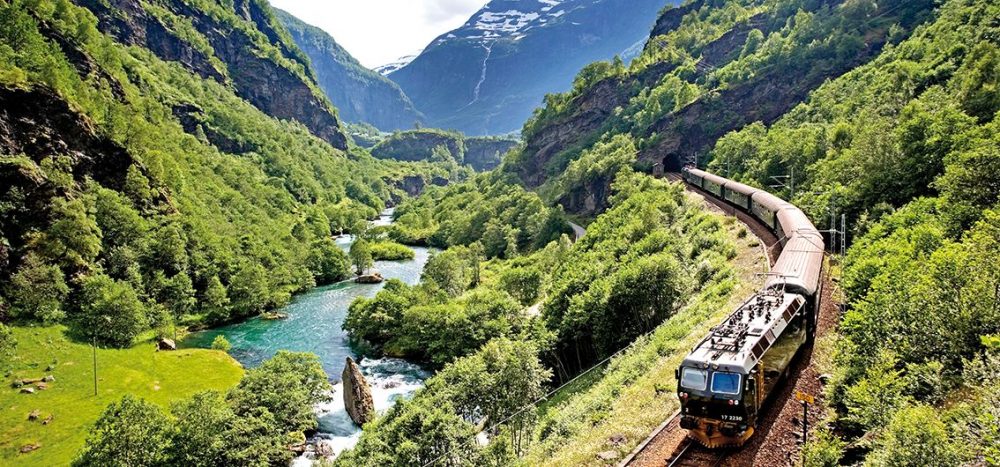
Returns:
(718,403)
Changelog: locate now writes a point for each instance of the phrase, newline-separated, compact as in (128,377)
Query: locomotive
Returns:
(725,381)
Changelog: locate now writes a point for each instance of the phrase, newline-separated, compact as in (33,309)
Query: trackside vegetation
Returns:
(504,330)
(907,147)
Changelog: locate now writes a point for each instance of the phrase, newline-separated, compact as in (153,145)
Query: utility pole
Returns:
(94,334)
(843,234)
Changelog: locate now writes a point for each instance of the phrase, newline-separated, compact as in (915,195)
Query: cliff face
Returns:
(39,125)
(242,46)
(486,153)
(360,94)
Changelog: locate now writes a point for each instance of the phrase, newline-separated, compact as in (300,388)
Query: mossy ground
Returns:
(159,377)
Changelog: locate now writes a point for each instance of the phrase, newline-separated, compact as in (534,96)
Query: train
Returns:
(724,383)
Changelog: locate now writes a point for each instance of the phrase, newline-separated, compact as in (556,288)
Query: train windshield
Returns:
(725,383)
(693,378)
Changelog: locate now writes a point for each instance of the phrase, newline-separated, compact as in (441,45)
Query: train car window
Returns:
(693,378)
(725,382)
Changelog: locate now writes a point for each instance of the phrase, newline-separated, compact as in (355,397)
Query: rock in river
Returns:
(357,394)
(373,278)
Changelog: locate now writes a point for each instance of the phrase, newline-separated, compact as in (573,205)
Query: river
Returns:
(314,325)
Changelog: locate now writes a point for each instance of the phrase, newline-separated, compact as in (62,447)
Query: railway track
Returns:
(692,454)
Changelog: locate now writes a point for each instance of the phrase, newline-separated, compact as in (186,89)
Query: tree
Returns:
(208,433)
(328,262)
(37,290)
(361,256)
(110,311)
(524,284)
(130,432)
(249,290)
(73,239)
(450,270)
(215,302)
(288,386)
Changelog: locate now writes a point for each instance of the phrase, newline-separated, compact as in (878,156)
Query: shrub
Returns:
(823,450)
(915,436)
(220,343)
(390,251)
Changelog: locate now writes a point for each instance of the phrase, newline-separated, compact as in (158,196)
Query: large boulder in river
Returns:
(357,394)
(373,278)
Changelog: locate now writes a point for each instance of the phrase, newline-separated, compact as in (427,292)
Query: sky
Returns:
(378,32)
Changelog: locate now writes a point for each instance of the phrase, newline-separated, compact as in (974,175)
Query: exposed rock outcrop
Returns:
(486,153)
(357,394)
(166,344)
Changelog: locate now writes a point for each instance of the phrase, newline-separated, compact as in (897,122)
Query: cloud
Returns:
(445,10)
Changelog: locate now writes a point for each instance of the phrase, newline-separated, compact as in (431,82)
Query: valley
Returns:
(563,233)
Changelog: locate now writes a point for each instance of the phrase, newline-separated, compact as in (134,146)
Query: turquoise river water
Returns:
(314,325)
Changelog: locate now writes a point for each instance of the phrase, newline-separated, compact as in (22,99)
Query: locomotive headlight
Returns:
(684,395)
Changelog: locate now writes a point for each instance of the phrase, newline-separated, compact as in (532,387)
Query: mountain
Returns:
(487,76)
(175,155)
(687,89)
(361,95)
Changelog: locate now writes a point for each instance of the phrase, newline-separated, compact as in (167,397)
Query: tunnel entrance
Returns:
(672,163)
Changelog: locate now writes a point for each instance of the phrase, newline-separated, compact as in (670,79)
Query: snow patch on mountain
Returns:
(400,63)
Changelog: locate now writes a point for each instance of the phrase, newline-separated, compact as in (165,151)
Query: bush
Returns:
(823,450)
(7,345)
(220,343)
(390,251)
(915,436)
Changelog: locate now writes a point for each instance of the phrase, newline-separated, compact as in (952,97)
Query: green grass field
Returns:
(160,377)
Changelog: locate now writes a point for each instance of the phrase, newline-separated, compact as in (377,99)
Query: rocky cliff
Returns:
(244,46)
(361,95)
(511,53)
(485,153)
(357,394)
